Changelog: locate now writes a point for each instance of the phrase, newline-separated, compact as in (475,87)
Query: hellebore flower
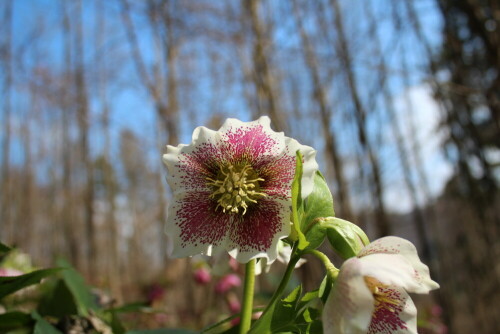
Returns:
(370,294)
(232,190)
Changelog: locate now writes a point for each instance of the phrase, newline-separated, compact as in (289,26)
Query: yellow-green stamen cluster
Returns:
(382,299)
(235,187)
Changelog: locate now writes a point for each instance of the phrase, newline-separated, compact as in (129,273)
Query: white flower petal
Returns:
(404,251)
(188,165)
(350,305)
(309,166)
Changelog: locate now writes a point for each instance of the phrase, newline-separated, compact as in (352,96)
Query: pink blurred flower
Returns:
(8,272)
(155,293)
(436,310)
(202,276)
(227,282)
(233,303)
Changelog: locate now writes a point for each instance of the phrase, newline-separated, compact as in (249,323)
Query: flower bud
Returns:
(227,282)
(346,238)
(202,276)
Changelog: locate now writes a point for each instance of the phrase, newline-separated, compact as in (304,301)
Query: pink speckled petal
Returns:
(195,227)
(395,319)
(402,253)
(188,166)
(349,307)
(257,233)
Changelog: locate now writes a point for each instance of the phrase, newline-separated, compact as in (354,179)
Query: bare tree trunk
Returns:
(112,253)
(172,110)
(83,124)
(68,218)
(262,76)
(342,194)
(5,222)
(376,186)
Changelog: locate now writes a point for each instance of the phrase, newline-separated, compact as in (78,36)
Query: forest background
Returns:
(401,99)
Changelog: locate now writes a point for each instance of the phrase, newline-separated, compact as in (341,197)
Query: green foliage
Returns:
(42,326)
(292,314)
(81,292)
(57,301)
(9,285)
(4,249)
(162,331)
(13,320)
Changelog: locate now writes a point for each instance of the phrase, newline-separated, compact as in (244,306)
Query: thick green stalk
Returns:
(331,270)
(248,288)
(284,281)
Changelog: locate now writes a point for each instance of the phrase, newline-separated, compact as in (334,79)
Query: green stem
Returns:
(331,270)
(284,281)
(248,288)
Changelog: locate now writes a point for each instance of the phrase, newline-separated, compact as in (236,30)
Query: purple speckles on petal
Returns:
(387,316)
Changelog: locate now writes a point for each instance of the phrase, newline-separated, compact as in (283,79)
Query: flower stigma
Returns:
(235,187)
(383,297)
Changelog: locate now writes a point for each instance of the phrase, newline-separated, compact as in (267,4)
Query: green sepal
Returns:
(297,205)
(317,205)
(346,238)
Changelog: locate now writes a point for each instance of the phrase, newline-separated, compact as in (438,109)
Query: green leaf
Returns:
(10,285)
(58,301)
(80,291)
(318,204)
(308,298)
(116,324)
(163,331)
(4,248)
(42,326)
(346,238)
(297,203)
(280,318)
(325,288)
(12,320)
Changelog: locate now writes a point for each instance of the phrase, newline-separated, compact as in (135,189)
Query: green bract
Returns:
(307,212)
(346,238)
(317,205)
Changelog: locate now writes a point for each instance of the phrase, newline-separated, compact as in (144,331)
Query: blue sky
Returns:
(37,30)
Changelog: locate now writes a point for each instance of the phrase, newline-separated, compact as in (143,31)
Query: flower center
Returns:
(383,296)
(235,187)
